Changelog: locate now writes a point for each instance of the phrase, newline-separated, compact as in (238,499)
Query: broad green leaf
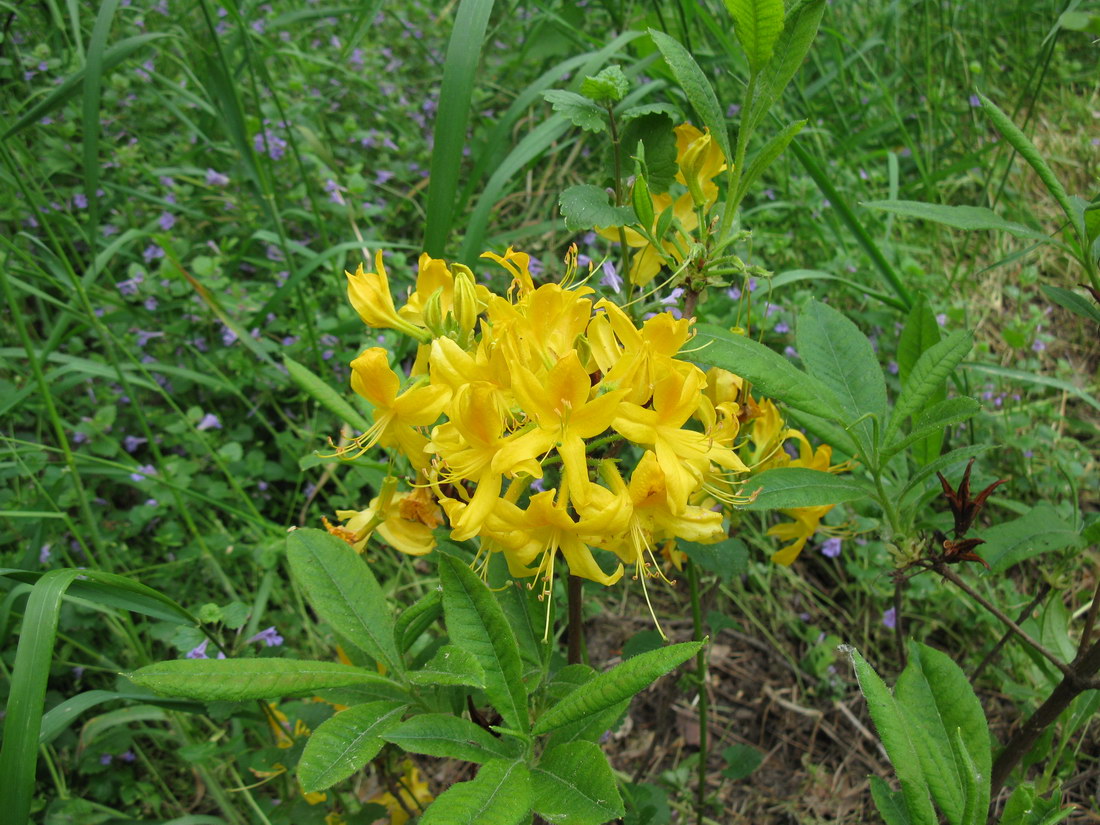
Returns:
(580,111)
(937,699)
(344,743)
(585,206)
(726,559)
(235,680)
(450,737)
(655,131)
(450,666)
(1040,530)
(969,218)
(608,86)
(784,487)
(791,48)
(825,431)
(741,761)
(500,794)
(341,588)
(920,332)
(931,370)
(1026,807)
(621,682)
(757,24)
(591,728)
(933,420)
(696,86)
(893,728)
(768,371)
(766,157)
(1028,151)
(890,803)
(1077,304)
(837,353)
(476,623)
(323,393)
(573,783)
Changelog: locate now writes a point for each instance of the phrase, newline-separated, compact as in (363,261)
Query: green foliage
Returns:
(757,24)
(585,207)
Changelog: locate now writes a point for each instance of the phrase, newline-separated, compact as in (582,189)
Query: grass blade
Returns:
(93,86)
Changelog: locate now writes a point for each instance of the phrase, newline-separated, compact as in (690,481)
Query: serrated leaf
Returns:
(969,218)
(1077,304)
(609,86)
(1039,530)
(771,373)
(836,352)
(696,86)
(476,623)
(340,586)
(580,111)
(500,794)
(931,370)
(451,737)
(613,686)
(799,31)
(668,109)
(585,206)
(757,24)
(933,420)
(766,156)
(450,666)
(893,729)
(344,743)
(236,680)
(726,559)
(655,131)
(782,488)
(573,783)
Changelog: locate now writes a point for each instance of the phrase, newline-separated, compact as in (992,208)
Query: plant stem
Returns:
(701,676)
(899,631)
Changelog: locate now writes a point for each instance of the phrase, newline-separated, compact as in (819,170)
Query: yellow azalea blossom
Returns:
(646,355)
(415,795)
(405,524)
(519,265)
(395,416)
(369,294)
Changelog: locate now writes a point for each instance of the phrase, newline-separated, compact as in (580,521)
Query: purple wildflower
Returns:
(831,547)
(143,471)
(105,759)
(215,178)
(269,637)
(44,554)
(166,220)
(132,442)
(209,422)
(611,277)
(975,101)
(80,200)
(781,328)
(890,618)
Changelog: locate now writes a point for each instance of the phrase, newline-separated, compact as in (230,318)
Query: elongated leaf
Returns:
(236,680)
(766,157)
(791,48)
(954,459)
(341,588)
(920,333)
(500,794)
(344,743)
(1077,304)
(60,717)
(835,351)
(450,737)
(23,719)
(757,24)
(613,686)
(969,218)
(416,618)
(696,86)
(769,372)
(573,783)
(450,666)
(890,803)
(449,136)
(325,395)
(931,370)
(1028,151)
(933,420)
(893,729)
(975,783)
(93,85)
(938,700)
(784,487)
(476,622)
(1039,530)
(1036,378)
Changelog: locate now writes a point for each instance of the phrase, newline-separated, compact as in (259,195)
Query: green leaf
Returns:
(585,206)
(933,420)
(416,618)
(573,783)
(741,761)
(450,737)
(450,666)
(836,352)
(931,370)
(609,86)
(344,743)
(768,371)
(766,157)
(782,488)
(325,395)
(610,688)
(893,729)
(476,622)
(500,794)
(726,559)
(1027,150)
(954,459)
(937,699)
(449,137)
(341,588)
(757,24)
(61,716)
(791,48)
(580,111)
(1026,807)
(1040,530)
(696,86)
(1077,304)
(655,131)
(969,218)
(920,332)
(890,803)
(673,114)
(235,680)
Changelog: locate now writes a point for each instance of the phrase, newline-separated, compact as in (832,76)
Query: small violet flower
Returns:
(269,637)
(831,547)
(890,618)
(209,422)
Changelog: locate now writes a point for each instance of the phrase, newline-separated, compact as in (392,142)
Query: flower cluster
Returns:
(547,421)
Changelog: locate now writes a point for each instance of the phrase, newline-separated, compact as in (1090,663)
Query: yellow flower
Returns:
(807,520)
(519,265)
(404,521)
(369,294)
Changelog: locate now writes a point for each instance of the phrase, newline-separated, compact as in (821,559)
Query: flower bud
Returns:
(433,313)
(692,167)
(466,307)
